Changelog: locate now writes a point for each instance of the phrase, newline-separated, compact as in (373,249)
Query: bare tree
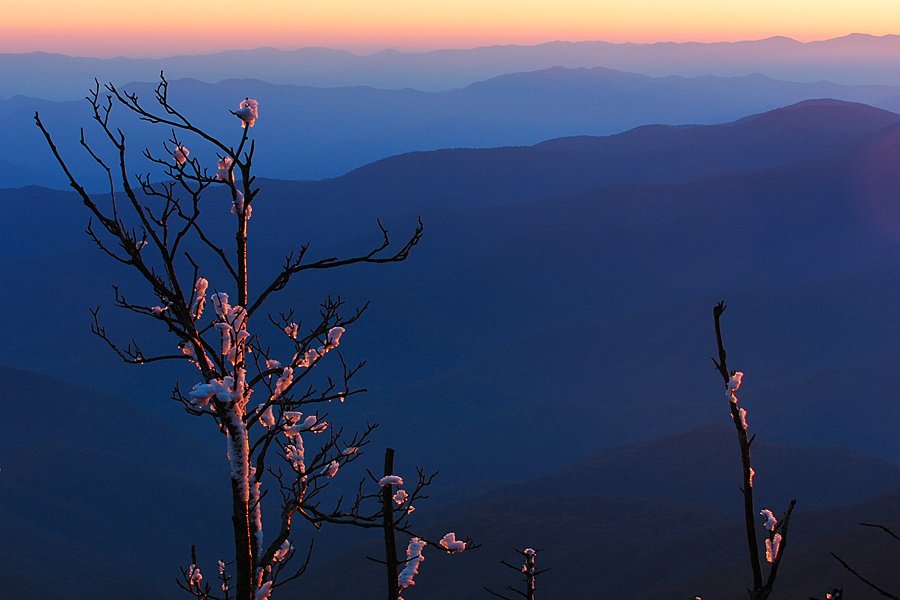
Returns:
(528,570)
(776,541)
(395,510)
(155,229)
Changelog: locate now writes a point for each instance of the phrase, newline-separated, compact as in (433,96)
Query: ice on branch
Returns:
(331,469)
(531,574)
(733,384)
(313,354)
(188,350)
(236,316)
(772,547)
(750,478)
(236,354)
(287,376)
(180,154)
(263,591)
(194,575)
(199,298)
(268,418)
(202,392)
(308,359)
(241,392)
(248,112)
(413,558)
(238,451)
(390,480)
(400,497)
(334,336)
(223,169)
(350,450)
(225,333)
(158,310)
(528,567)
(450,542)
(220,303)
(291,331)
(771,521)
(308,424)
(282,552)
(294,453)
(255,512)
(238,207)
(273,364)
(743,414)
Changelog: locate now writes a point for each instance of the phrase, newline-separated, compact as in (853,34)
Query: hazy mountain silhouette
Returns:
(811,570)
(100,495)
(311,133)
(456,177)
(701,466)
(853,59)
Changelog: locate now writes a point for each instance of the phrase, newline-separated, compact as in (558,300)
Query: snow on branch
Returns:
(390,480)
(450,542)
(247,112)
(413,558)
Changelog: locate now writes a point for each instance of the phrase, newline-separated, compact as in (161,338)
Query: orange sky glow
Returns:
(108,28)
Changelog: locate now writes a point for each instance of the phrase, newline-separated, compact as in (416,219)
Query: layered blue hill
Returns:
(313,133)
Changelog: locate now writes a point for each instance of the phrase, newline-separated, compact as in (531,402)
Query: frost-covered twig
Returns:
(777,541)
(528,570)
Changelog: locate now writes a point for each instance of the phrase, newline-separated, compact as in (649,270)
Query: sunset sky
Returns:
(112,27)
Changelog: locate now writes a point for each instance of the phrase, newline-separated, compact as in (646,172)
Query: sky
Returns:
(106,28)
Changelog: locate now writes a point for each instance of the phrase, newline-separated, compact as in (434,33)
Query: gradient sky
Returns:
(112,27)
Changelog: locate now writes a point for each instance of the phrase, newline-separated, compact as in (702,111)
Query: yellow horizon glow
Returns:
(111,28)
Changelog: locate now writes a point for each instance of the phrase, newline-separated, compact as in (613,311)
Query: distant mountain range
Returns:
(313,133)
(854,59)
(99,494)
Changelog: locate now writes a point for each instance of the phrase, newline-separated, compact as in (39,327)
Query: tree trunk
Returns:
(243,558)
(390,542)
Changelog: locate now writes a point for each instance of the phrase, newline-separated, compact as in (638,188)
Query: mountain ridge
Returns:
(312,133)
(854,59)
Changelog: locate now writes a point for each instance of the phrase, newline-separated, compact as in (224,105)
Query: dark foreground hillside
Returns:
(655,520)
(110,499)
